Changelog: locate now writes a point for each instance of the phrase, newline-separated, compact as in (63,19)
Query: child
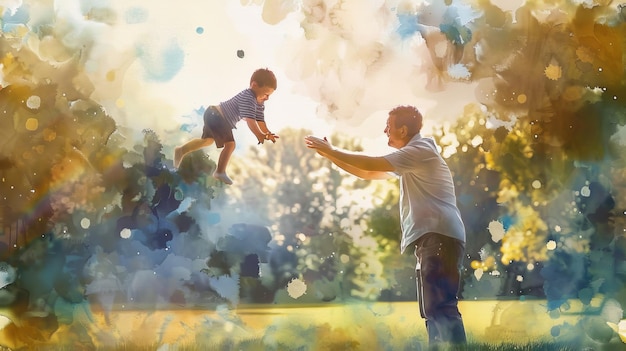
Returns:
(220,120)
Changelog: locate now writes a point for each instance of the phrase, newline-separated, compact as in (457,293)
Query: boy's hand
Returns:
(267,136)
(271,136)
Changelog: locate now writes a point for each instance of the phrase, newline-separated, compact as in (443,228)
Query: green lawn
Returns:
(490,325)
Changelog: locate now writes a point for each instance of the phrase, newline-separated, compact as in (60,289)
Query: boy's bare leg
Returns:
(191,145)
(220,172)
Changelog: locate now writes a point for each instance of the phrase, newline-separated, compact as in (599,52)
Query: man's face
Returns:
(395,135)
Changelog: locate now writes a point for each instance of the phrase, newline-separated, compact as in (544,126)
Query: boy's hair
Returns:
(408,116)
(264,78)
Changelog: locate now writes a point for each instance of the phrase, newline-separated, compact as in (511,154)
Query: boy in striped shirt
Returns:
(220,120)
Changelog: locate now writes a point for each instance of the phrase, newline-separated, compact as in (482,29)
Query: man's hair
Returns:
(264,78)
(408,116)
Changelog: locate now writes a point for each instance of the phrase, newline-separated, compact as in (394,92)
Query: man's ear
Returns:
(404,131)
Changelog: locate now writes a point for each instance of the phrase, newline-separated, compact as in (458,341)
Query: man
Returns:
(431,221)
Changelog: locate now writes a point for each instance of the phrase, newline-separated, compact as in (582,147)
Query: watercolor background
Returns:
(525,98)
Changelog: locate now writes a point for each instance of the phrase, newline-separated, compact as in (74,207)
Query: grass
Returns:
(351,327)
(259,345)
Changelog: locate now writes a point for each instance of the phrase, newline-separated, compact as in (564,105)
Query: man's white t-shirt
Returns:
(427,197)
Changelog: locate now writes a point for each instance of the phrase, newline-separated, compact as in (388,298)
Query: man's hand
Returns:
(321,145)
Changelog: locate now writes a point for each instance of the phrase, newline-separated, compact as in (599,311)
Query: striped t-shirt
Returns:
(242,105)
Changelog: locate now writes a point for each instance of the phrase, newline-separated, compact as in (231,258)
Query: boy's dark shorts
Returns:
(215,127)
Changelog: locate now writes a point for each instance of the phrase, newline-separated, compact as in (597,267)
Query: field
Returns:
(490,325)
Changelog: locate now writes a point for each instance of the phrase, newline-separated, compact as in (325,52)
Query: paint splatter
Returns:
(161,59)
(496,229)
(296,288)
(553,72)
(7,274)
(619,328)
(459,71)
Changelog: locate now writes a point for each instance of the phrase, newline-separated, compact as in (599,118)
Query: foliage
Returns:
(536,157)
(96,214)
(320,217)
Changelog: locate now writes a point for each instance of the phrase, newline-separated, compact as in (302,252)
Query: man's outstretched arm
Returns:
(362,166)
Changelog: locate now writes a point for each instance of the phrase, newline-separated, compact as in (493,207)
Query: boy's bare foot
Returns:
(223,178)
(178,156)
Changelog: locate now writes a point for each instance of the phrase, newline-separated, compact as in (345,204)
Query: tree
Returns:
(551,95)
(319,216)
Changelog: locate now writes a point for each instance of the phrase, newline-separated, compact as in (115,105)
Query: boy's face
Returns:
(262,93)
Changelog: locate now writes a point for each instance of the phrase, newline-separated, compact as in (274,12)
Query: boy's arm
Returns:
(263,127)
(264,132)
(268,135)
(256,129)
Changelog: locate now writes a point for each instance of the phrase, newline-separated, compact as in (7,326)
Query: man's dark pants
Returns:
(439,260)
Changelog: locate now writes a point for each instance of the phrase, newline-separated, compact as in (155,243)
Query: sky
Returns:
(155,64)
